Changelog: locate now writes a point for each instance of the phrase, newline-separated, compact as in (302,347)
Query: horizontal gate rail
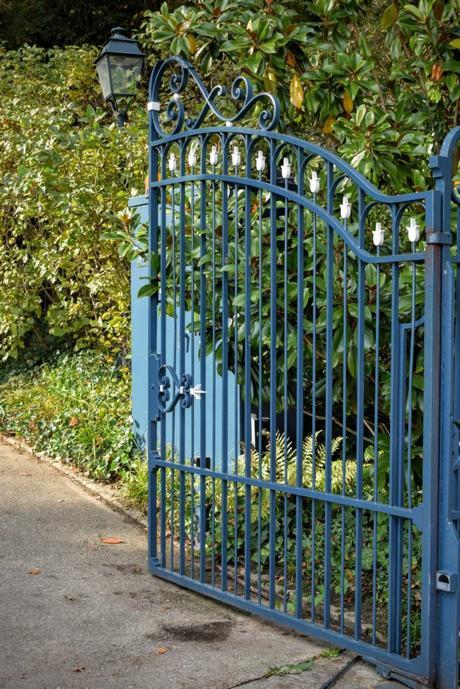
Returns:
(416,515)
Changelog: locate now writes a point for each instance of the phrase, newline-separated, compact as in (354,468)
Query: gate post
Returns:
(447,563)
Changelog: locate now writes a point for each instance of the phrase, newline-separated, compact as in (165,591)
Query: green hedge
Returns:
(66,170)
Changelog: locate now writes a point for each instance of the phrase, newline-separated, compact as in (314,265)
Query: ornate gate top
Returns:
(241,92)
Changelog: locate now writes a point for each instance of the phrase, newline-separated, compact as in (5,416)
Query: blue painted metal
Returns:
(140,356)
(282,289)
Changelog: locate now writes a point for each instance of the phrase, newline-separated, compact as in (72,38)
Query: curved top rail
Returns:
(302,201)
(312,149)
(450,142)
(241,91)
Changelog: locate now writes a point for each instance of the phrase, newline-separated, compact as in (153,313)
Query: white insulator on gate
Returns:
(172,162)
(236,156)
(378,235)
(260,161)
(314,182)
(345,208)
(192,157)
(413,231)
(213,155)
(176,97)
(286,168)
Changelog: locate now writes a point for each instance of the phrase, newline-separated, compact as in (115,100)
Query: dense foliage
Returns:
(75,407)
(378,81)
(66,169)
(48,23)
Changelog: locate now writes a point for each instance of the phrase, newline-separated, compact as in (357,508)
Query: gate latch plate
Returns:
(446,581)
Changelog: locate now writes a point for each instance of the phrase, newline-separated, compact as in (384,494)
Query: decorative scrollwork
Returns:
(180,388)
(241,92)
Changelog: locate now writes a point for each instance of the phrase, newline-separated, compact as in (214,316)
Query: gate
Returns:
(303,440)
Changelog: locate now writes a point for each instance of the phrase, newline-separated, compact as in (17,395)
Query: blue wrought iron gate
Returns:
(303,445)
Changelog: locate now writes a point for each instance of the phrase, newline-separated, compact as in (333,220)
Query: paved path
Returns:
(77,614)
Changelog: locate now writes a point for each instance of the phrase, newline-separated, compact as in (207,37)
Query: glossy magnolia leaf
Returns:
(191,44)
(455,43)
(147,291)
(390,16)
(347,102)
(270,81)
(328,125)
(296,92)
(291,59)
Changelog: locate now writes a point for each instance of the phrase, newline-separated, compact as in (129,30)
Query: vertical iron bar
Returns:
(260,399)
(224,523)
(409,460)
(285,397)
(299,385)
(376,453)
(344,425)
(174,364)
(192,336)
(329,397)
(394,592)
(163,360)
(313,419)
(152,334)
(247,377)
(273,378)
(213,391)
(203,307)
(237,386)
(360,421)
(182,362)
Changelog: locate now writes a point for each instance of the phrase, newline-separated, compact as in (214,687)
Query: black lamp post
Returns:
(119,68)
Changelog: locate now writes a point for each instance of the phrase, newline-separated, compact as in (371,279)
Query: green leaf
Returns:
(296,92)
(147,291)
(390,16)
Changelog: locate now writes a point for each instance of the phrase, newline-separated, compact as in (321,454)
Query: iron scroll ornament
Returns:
(241,92)
(183,389)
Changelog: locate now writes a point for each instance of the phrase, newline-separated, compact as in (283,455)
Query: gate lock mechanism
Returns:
(446,581)
(182,388)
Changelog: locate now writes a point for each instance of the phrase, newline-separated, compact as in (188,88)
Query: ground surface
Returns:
(78,614)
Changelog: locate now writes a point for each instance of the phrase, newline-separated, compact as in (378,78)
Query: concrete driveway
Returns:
(79,614)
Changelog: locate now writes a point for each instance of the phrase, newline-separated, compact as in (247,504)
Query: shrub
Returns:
(66,169)
(329,62)
(76,407)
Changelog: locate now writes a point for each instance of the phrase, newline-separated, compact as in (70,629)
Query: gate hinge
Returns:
(152,460)
(438,237)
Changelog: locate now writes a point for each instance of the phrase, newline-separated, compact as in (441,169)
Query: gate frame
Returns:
(441,399)
(448,304)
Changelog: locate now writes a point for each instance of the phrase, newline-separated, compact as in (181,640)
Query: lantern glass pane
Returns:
(104,76)
(125,72)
